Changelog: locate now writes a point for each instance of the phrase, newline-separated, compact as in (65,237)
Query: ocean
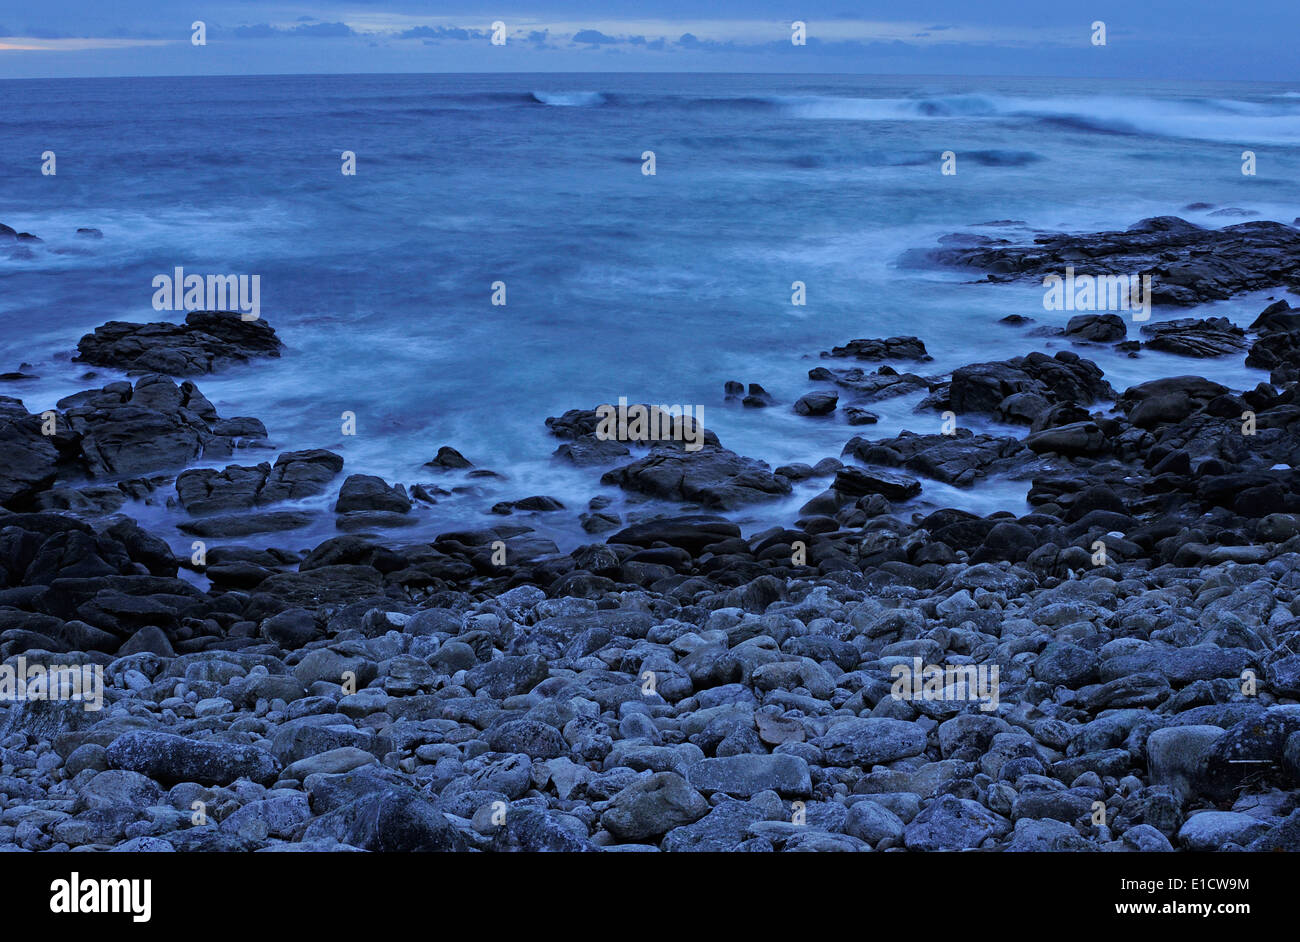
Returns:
(659,288)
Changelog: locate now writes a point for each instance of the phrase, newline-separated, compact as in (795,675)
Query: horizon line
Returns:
(932,75)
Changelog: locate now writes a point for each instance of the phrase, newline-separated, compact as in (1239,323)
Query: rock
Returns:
(295,475)
(535,830)
(1100,328)
(1073,440)
(882,383)
(291,629)
(171,759)
(959,459)
(332,762)
(713,477)
(1210,830)
(119,788)
(529,737)
(817,403)
(1192,337)
(872,822)
(27,458)
(746,775)
(723,829)
(206,342)
(1252,749)
(691,533)
(366,492)
(539,503)
(951,823)
(856,416)
(1065,664)
(1283,837)
(237,525)
(278,817)
(449,459)
(1178,756)
(125,430)
(1066,377)
(388,820)
(867,742)
(890,348)
(1168,400)
(1145,838)
(652,806)
(1188,264)
(857,482)
(508,676)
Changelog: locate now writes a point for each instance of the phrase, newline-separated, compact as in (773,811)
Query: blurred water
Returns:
(659,288)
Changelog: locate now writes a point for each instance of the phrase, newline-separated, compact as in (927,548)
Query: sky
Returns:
(1210,40)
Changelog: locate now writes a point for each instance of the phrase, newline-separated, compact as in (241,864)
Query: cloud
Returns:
(440,32)
(76,44)
(311,30)
(260,31)
(324,30)
(593,37)
(691,41)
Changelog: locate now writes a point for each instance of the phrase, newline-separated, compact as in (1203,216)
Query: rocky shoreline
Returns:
(676,684)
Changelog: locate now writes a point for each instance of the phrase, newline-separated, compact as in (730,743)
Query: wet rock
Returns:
(713,477)
(366,492)
(817,403)
(890,348)
(1192,337)
(206,342)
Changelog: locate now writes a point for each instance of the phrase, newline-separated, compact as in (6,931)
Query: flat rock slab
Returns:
(205,343)
(1188,264)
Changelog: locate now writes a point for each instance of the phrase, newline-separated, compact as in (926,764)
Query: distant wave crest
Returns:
(569,99)
(1274,121)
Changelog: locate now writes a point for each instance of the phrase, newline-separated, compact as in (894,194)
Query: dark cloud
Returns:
(324,30)
(593,37)
(440,32)
(691,41)
(313,30)
(259,31)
